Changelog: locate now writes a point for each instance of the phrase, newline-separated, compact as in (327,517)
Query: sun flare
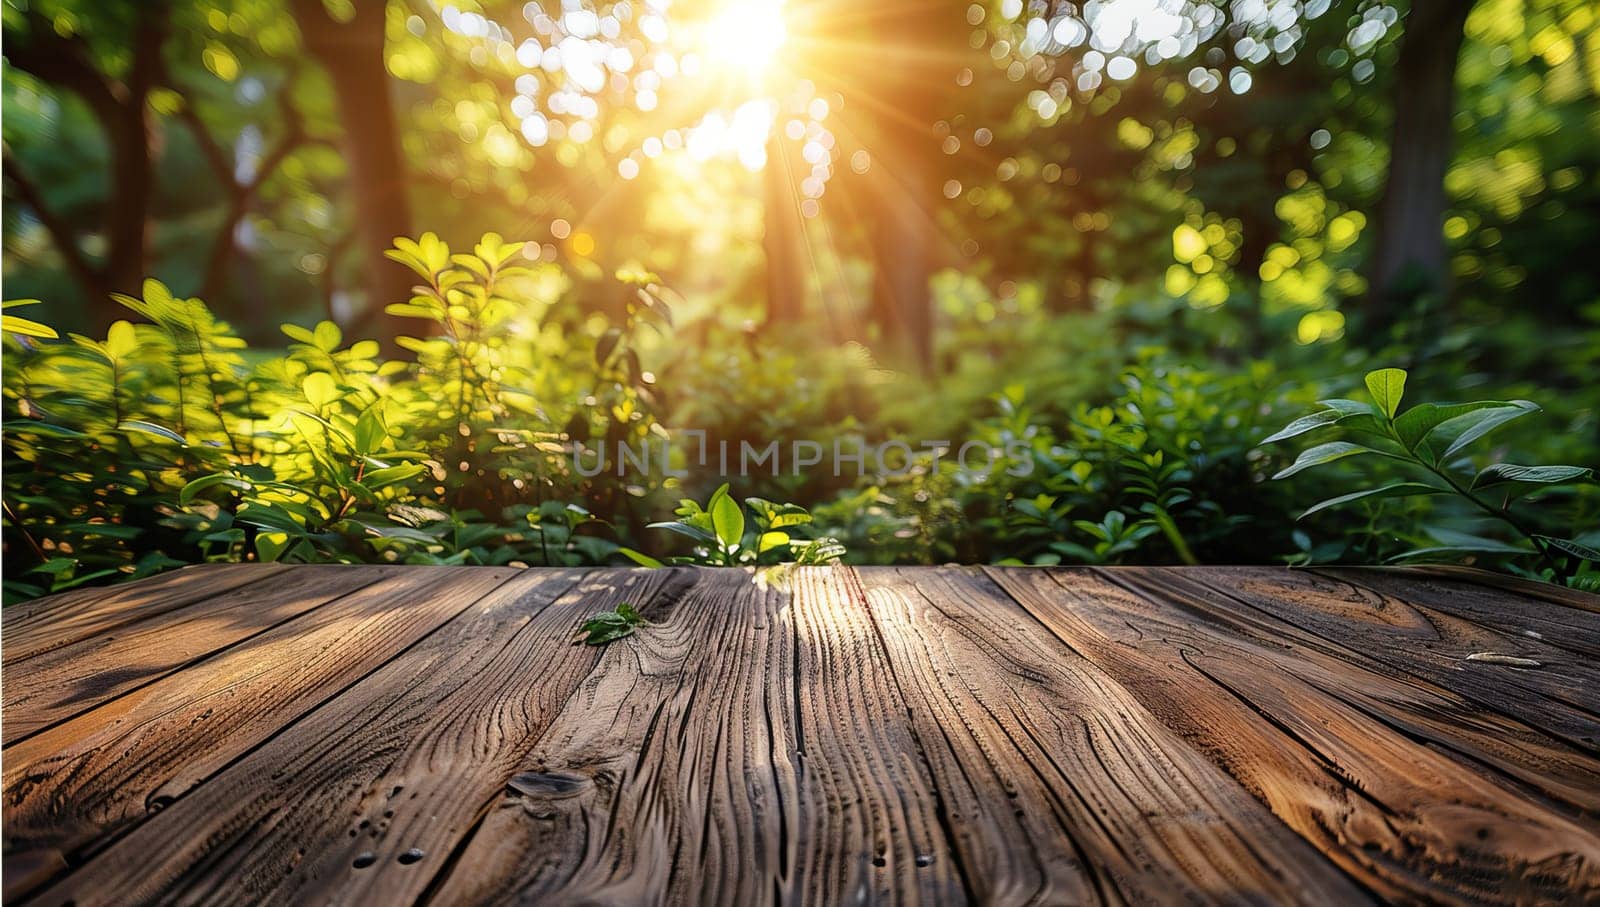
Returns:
(745,35)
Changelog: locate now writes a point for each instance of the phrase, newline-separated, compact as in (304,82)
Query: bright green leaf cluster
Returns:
(1432,440)
(723,537)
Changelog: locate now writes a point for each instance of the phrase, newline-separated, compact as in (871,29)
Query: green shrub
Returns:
(168,441)
(1433,443)
(1162,472)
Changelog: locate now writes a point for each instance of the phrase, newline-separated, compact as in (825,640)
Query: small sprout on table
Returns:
(610,625)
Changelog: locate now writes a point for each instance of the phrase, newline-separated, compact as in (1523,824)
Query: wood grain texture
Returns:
(71,788)
(1518,587)
(750,747)
(35,627)
(1326,744)
(71,678)
(667,773)
(1497,605)
(1420,640)
(1061,786)
(402,762)
(400,735)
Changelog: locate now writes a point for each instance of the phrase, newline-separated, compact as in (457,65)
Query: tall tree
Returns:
(783,239)
(351,52)
(120,105)
(897,87)
(1410,258)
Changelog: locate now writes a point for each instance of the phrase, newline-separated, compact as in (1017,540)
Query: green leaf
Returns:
(271,545)
(320,389)
(270,516)
(327,336)
(33,426)
(598,632)
(1501,473)
(56,565)
(121,340)
(727,519)
(225,479)
(1466,541)
(382,478)
(1574,548)
(643,560)
(1304,424)
(693,532)
(1323,453)
(610,625)
(1474,425)
(1349,407)
(786,518)
(771,540)
(1397,490)
(1387,386)
(151,428)
(409,310)
(1419,421)
(370,432)
(27,327)
(818,551)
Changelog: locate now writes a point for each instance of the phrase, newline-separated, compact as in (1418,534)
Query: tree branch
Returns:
(65,239)
(240,195)
(63,61)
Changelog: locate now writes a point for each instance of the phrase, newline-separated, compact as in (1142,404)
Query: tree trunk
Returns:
(127,213)
(121,110)
(352,55)
(903,236)
(1411,258)
(784,239)
(893,99)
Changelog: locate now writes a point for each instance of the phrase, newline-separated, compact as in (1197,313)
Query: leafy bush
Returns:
(170,441)
(1433,441)
(1161,472)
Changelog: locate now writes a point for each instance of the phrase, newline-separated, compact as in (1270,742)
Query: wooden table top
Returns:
(388,735)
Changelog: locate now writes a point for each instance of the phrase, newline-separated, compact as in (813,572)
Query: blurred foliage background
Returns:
(1136,236)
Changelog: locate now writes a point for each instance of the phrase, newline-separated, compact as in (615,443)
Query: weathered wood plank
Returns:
(32,628)
(665,774)
(365,798)
(1554,618)
(1519,587)
(71,788)
(69,679)
(1060,786)
(1425,711)
(1411,820)
(1417,707)
(749,748)
(874,826)
(1559,698)
(924,735)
